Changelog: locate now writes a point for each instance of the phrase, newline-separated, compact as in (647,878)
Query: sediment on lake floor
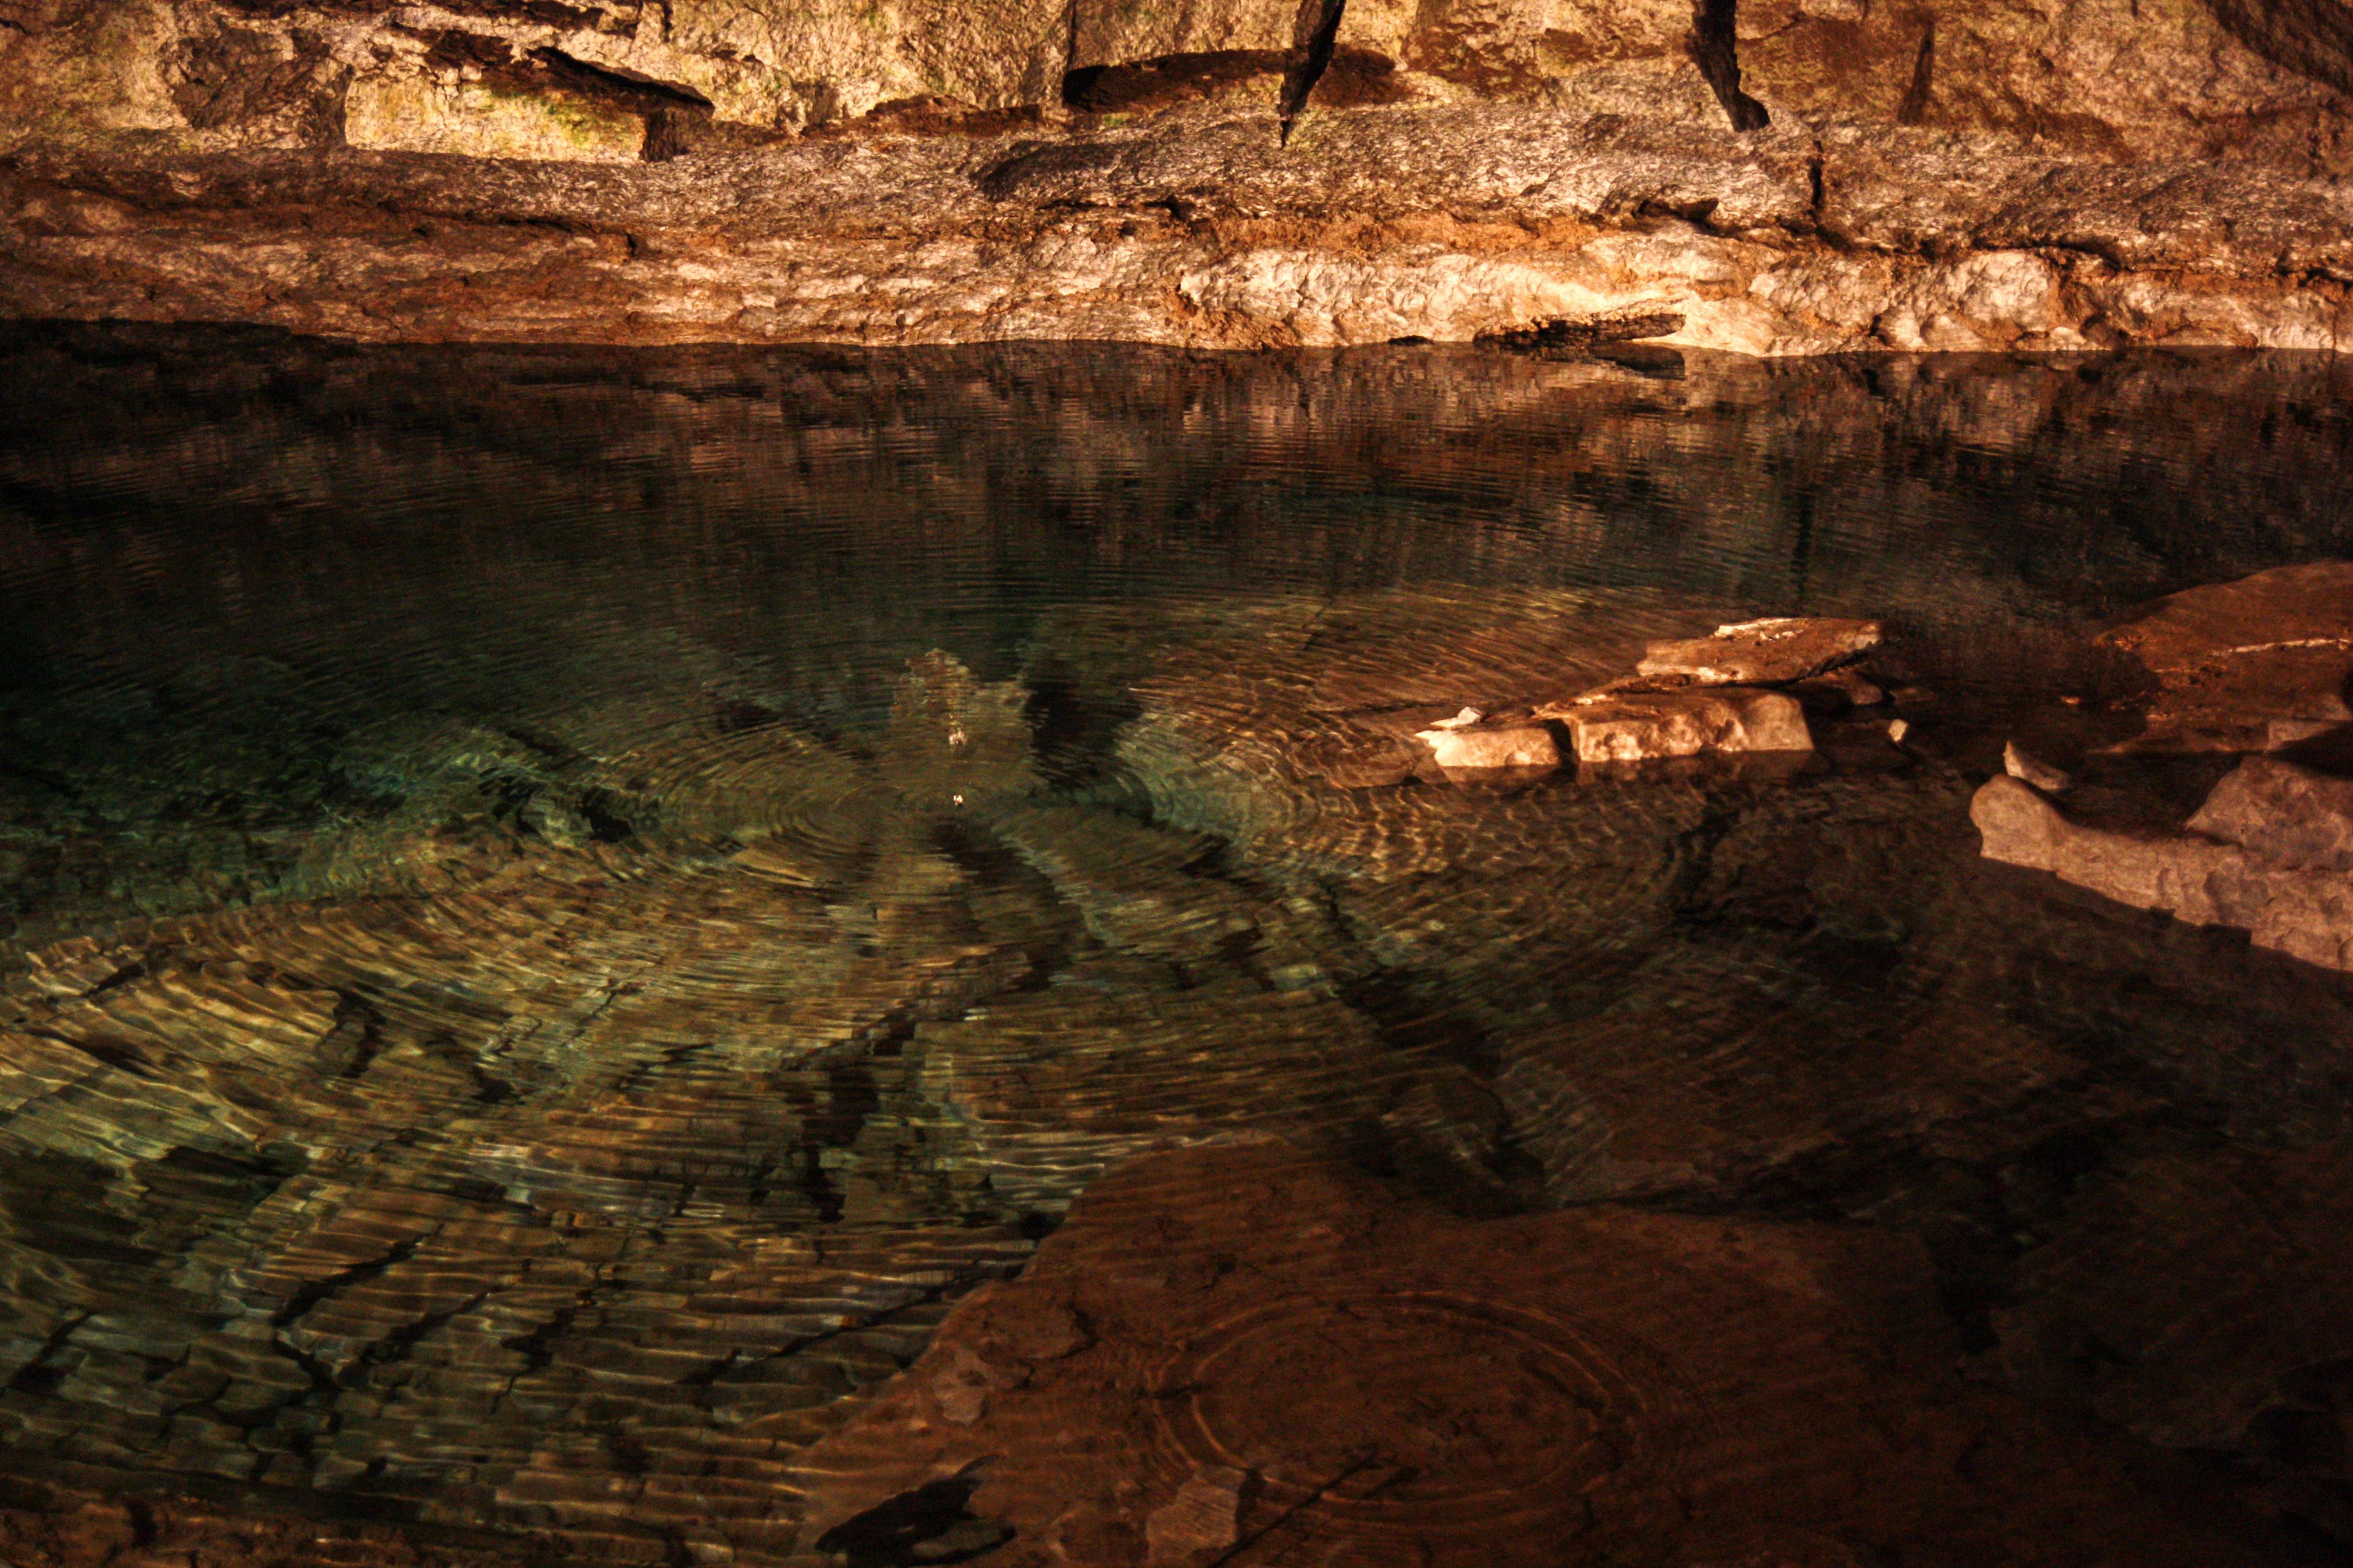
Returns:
(578,956)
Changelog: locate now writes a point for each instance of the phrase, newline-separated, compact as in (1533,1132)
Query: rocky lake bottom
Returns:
(826,957)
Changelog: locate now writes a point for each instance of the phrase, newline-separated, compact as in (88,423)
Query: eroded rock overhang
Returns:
(1780,177)
(1197,227)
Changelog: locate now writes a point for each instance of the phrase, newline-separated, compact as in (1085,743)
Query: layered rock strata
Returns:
(1773,178)
(1198,229)
(2258,664)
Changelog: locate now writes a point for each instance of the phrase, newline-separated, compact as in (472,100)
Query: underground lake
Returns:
(1109,955)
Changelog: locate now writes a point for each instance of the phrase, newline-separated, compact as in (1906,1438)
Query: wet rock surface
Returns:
(1775,652)
(2249,666)
(563,923)
(1642,726)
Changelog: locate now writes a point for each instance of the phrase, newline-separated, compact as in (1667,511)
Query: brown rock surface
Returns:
(1771,652)
(2301,906)
(2247,666)
(2289,816)
(2206,1289)
(1697,720)
(1275,1351)
(1914,174)
(1196,228)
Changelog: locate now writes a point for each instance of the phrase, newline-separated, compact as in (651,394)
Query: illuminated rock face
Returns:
(2251,666)
(1645,726)
(1773,176)
(2266,853)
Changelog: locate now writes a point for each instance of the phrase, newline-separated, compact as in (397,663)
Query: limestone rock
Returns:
(2245,666)
(2040,774)
(1771,652)
(1115,34)
(1847,685)
(2115,78)
(2303,911)
(2289,816)
(1478,747)
(1195,227)
(417,114)
(2211,1283)
(1643,726)
(2314,37)
(843,57)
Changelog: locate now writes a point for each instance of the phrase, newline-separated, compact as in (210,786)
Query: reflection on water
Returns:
(565,908)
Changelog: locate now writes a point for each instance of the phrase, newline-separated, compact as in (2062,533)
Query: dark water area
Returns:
(559,909)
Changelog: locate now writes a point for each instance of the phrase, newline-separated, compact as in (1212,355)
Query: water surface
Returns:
(563,907)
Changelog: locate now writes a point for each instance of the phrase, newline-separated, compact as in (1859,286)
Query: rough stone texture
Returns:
(2289,816)
(2300,907)
(1933,175)
(2116,78)
(2314,37)
(1478,747)
(1197,229)
(2247,666)
(2156,1276)
(1645,726)
(2104,77)
(1771,652)
(417,114)
(1405,1389)
(2020,764)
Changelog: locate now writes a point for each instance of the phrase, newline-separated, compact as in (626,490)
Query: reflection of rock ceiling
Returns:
(664,983)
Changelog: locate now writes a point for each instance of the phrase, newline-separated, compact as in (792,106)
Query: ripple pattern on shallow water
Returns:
(562,924)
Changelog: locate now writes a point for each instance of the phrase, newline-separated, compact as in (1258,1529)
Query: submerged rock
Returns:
(1373,763)
(2249,666)
(1283,1352)
(2267,857)
(1643,726)
(2214,1283)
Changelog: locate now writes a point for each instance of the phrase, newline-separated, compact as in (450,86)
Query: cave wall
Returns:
(604,81)
(1776,177)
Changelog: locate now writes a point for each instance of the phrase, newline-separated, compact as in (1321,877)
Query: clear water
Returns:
(559,903)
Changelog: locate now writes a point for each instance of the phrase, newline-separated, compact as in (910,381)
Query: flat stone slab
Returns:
(1486,748)
(1768,652)
(1695,721)
(2248,666)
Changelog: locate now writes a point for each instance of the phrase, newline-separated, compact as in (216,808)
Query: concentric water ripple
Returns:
(563,911)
